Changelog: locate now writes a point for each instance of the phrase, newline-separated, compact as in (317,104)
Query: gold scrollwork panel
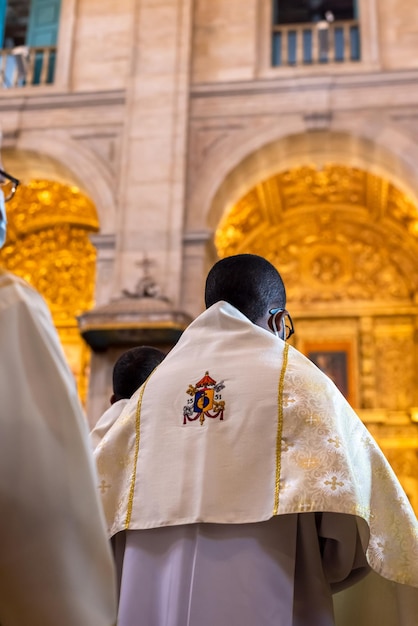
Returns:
(395,367)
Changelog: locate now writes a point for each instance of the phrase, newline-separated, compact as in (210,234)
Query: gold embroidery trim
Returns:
(280,428)
(136,452)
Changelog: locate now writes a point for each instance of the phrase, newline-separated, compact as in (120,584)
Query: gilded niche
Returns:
(336,234)
(48,245)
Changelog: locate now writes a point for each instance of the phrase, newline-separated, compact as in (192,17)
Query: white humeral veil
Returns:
(55,562)
(288,442)
(106,420)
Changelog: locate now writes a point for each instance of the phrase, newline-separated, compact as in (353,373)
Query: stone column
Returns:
(101,366)
(153,168)
(105,247)
(199,255)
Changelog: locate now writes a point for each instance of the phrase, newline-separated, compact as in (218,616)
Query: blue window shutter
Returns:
(43,23)
(43,31)
(3,7)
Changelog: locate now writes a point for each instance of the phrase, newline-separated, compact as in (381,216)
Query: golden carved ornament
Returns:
(402,210)
(395,373)
(48,245)
(43,204)
(338,233)
(334,184)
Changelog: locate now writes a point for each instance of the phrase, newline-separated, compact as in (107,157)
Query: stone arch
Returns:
(245,158)
(66,194)
(338,234)
(72,163)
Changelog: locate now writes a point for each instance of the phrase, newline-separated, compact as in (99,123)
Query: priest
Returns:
(241,489)
(56,566)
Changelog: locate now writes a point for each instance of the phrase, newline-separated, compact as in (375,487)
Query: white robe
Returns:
(264,574)
(106,421)
(55,564)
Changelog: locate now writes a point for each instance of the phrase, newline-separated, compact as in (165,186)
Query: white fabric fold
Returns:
(106,421)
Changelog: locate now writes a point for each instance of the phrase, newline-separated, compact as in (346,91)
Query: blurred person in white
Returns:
(130,371)
(56,567)
(243,488)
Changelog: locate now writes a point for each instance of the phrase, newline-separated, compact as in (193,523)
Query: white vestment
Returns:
(55,564)
(106,420)
(233,429)
(264,574)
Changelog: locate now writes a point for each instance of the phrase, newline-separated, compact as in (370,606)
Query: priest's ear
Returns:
(276,322)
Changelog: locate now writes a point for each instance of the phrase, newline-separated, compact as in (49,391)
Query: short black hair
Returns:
(133,368)
(247,281)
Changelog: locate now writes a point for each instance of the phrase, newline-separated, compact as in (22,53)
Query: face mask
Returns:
(3,220)
(281,323)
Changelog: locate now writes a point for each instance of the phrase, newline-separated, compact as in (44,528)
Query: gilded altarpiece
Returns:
(346,244)
(48,245)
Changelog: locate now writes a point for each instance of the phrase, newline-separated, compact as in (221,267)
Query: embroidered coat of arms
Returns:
(205,400)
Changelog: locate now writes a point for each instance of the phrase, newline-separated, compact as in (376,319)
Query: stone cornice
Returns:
(44,99)
(197,237)
(307,82)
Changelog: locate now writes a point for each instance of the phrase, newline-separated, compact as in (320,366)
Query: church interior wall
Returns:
(232,41)
(101,42)
(225,40)
(154,145)
(132,60)
(244,157)
(398,26)
(240,133)
(89,172)
(239,159)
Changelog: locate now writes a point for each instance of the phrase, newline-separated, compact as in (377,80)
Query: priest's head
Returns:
(132,369)
(253,286)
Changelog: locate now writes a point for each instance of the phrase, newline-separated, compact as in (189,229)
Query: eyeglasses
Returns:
(8,185)
(281,323)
